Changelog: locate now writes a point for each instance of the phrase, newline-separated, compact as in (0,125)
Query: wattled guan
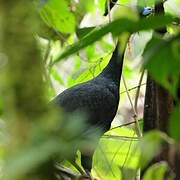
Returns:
(98,97)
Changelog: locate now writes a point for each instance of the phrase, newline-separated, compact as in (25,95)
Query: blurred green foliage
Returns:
(34,37)
(157,172)
(166,73)
(63,22)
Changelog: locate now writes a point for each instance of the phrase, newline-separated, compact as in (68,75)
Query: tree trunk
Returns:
(158,104)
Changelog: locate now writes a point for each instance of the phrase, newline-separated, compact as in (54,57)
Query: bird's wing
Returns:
(90,96)
(97,102)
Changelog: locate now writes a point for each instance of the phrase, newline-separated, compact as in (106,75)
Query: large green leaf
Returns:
(114,153)
(81,32)
(116,28)
(57,15)
(162,59)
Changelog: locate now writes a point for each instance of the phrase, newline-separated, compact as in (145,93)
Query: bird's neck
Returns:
(113,70)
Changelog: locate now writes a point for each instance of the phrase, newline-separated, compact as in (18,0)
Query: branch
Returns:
(126,124)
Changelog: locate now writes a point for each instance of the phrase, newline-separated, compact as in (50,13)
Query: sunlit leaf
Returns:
(89,73)
(114,152)
(101,4)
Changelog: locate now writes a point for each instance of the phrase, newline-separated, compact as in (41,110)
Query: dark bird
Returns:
(99,98)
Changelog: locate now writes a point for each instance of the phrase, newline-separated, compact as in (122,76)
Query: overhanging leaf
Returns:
(81,32)
(162,60)
(116,28)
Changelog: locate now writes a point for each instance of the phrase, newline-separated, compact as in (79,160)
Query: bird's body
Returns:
(90,97)
(98,98)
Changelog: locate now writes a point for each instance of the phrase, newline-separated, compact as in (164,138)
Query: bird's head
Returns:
(147,11)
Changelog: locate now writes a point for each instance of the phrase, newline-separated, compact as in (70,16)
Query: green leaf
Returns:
(142,3)
(162,60)
(174,124)
(151,145)
(56,76)
(157,172)
(101,4)
(116,28)
(27,159)
(57,15)
(81,32)
(114,152)
(89,73)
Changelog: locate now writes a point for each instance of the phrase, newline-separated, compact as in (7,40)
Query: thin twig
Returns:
(64,170)
(128,138)
(136,103)
(134,111)
(125,85)
(48,76)
(122,125)
(78,167)
(48,50)
(130,89)
(138,90)
(109,15)
(46,57)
